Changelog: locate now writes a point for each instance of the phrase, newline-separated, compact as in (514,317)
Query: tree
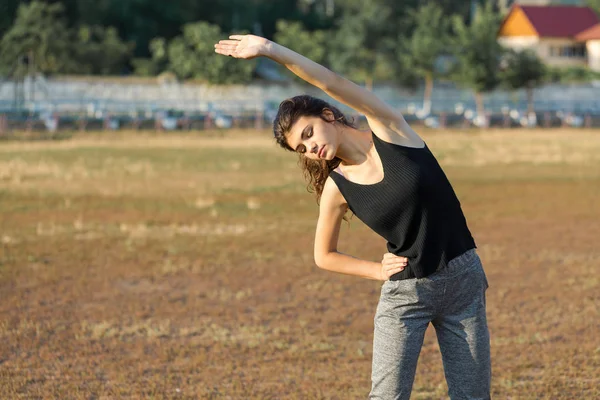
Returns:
(192,56)
(523,69)
(140,21)
(477,53)
(422,50)
(594,5)
(157,63)
(354,54)
(39,35)
(8,11)
(100,51)
(294,36)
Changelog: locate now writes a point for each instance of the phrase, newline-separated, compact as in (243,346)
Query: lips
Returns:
(321,151)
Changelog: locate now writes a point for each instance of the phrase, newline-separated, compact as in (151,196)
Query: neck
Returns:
(354,145)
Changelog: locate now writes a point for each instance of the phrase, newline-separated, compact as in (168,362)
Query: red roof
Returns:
(592,33)
(560,21)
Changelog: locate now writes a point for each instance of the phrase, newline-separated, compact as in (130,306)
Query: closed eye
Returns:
(301,148)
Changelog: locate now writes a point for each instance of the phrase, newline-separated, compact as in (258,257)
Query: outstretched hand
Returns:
(242,46)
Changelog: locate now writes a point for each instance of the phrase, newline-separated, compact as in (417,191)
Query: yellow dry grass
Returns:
(180,266)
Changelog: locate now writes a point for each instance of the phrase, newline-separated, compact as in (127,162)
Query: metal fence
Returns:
(109,104)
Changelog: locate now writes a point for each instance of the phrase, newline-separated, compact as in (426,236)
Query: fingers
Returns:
(392,255)
(392,264)
(394,258)
(223,52)
(387,273)
(226,50)
(225,47)
(229,42)
(228,47)
(394,271)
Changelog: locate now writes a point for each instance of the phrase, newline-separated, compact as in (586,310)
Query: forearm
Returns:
(303,67)
(345,264)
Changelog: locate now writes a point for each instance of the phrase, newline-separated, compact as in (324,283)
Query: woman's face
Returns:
(314,137)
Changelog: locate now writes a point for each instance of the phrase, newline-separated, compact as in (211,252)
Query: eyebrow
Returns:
(302,134)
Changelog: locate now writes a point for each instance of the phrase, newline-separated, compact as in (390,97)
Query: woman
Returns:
(390,180)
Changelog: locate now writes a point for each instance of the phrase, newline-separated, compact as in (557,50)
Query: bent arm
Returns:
(331,212)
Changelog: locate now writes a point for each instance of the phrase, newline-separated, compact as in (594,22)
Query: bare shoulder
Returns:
(332,209)
(395,130)
(332,198)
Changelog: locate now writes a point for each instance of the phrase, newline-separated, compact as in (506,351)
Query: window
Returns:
(574,51)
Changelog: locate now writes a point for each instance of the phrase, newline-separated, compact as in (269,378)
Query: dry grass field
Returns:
(139,265)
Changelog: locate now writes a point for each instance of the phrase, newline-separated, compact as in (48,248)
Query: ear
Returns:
(328,115)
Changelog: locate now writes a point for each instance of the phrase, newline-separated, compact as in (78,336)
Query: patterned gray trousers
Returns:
(453,300)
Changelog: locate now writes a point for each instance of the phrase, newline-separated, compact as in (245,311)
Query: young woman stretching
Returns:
(390,180)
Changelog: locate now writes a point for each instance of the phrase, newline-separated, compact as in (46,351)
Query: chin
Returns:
(329,155)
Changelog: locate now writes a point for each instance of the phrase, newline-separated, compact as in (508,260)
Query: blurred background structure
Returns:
(75,64)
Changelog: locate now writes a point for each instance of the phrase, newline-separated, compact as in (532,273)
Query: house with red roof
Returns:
(560,35)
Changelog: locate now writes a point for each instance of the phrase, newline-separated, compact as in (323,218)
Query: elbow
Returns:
(321,260)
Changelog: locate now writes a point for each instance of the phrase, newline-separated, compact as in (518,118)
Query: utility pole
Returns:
(31,65)
(18,77)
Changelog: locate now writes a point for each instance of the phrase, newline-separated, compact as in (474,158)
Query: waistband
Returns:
(458,263)
(465,260)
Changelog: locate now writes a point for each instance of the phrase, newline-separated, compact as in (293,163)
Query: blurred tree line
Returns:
(406,42)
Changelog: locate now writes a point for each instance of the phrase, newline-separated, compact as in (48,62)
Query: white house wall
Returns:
(542,47)
(593,50)
(519,42)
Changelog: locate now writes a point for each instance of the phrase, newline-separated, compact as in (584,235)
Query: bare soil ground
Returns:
(180,266)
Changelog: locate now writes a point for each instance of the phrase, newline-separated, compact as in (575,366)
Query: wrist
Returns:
(268,48)
(378,272)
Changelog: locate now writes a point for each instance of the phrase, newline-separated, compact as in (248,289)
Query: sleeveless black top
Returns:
(414,208)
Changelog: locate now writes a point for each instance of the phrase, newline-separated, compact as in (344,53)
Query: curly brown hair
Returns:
(290,110)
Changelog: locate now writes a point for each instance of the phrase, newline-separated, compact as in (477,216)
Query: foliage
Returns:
(39,32)
(100,51)
(365,41)
(158,62)
(522,69)
(594,5)
(192,56)
(293,35)
(8,11)
(477,51)
(362,43)
(139,21)
(421,51)
(40,37)
(419,54)
(574,74)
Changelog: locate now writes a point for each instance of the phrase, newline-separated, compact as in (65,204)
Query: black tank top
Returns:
(414,208)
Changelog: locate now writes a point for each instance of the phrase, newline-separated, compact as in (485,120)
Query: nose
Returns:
(314,148)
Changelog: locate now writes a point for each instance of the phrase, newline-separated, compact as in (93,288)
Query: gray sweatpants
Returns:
(453,300)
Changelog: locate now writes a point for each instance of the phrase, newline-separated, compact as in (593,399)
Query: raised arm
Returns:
(383,119)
